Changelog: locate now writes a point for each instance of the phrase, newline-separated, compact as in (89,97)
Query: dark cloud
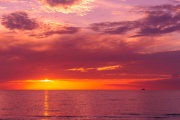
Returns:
(23,62)
(58,31)
(167,84)
(159,20)
(21,21)
(64,30)
(114,27)
(18,20)
(60,2)
(161,62)
(163,84)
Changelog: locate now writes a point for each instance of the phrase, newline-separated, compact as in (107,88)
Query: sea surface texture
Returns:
(90,105)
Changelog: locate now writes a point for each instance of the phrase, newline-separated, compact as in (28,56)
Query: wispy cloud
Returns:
(159,20)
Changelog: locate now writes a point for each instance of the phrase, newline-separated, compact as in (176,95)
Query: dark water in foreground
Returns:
(89,105)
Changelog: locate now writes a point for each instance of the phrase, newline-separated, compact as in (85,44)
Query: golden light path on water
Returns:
(46,105)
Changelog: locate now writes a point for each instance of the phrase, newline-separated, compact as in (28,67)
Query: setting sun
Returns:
(46,80)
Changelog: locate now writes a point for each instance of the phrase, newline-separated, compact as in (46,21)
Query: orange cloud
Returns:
(80,7)
(108,68)
(80,69)
(104,68)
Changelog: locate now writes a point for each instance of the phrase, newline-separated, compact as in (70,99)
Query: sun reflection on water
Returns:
(46,105)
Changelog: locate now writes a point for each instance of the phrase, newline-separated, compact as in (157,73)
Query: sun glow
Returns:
(46,80)
(64,84)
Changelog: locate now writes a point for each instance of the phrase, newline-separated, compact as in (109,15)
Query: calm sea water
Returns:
(89,105)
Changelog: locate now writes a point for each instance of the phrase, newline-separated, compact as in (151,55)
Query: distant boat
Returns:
(143,89)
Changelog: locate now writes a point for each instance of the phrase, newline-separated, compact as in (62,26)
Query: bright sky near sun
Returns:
(89,44)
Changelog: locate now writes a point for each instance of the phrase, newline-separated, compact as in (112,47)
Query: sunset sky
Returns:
(89,44)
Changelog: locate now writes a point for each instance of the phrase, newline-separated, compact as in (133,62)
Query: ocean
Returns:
(90,105)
